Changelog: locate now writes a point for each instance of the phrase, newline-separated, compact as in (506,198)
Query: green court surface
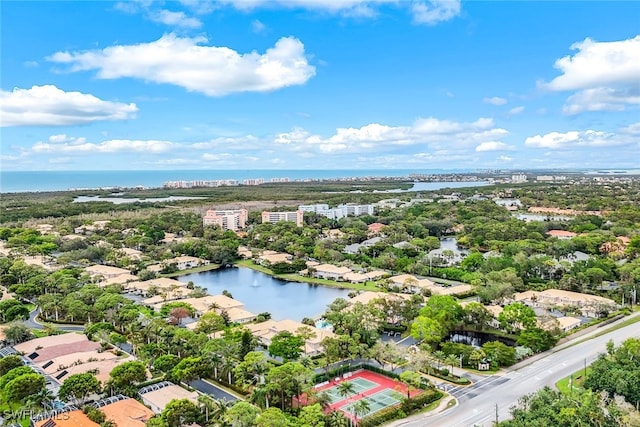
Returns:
(360,385)
(378,401)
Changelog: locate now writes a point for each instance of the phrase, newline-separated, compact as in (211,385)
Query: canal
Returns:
(260,292)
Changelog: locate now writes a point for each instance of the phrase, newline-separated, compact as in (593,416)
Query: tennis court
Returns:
(377,401)
(360,385)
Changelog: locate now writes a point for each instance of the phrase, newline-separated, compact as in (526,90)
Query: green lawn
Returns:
(292,277)
(576,379)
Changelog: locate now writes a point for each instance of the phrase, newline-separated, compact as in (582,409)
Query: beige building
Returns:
(106,271)
(265,331)
(590,305)
(227,219)
(330,272)
(157,396)
(184,262)
(208,303)
(127,413)
(273,257)
(162,284)
(294,216)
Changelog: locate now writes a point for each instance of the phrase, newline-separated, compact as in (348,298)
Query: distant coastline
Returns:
(36,181)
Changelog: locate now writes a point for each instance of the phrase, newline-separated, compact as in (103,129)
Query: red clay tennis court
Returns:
(379,392)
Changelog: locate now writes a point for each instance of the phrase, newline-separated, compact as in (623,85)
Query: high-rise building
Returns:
(293,216)
(227,219)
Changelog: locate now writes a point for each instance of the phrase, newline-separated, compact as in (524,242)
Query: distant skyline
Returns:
(319,84)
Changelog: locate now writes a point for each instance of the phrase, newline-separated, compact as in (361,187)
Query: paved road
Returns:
(207,388)
(33,324)
(477,403)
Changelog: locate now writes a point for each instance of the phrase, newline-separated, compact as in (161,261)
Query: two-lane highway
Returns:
(477,404)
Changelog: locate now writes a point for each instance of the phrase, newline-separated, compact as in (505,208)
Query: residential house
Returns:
(562,234)
(375,228)
(591,305)
(330,272)
(126,412)
(106,271)
(185,262)
(273,257)
(157,396)
(160,284)
(265,331)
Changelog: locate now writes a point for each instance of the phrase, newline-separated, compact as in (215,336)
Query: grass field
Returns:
(575,380)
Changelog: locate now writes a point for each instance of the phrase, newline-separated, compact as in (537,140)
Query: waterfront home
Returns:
(160,284)
(354,277)
(185,262)
(166,296)
(330,272)
(207,303)
(265,331)
(272,257)
(157,396)
(244,252)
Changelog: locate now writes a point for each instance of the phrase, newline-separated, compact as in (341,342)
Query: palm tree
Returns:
(361,407)
(451,360)
(346,389)
(439,356)
(260,396)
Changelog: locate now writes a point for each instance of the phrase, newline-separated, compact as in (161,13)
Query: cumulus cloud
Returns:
(434,11)
(605,75)
(588,138)
(493,146)
(49,106)
(174,19)
(185,62)
(496,100)
(438,134)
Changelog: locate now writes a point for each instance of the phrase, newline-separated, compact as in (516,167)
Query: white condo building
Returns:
(293,216)
(227,219)
(341,211)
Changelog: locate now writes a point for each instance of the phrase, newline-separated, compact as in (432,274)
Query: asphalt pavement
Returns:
(493,396)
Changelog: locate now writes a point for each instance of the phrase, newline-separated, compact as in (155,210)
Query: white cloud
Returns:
(49,106)
(174,19)
(365,8)
(111,146)
(633,129)
(606,76)
(505,158)
(496,100)
(602,99)
(432,12)
(258,27)
(212,70)
(516,110)
(438,134)
(493,146)
(588,138)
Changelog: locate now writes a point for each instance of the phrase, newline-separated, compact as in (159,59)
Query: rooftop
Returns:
(160,398)
(68,419)
(127,413)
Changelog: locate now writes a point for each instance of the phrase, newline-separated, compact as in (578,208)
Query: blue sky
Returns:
(320,84)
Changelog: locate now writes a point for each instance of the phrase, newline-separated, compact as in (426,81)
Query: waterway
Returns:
(260,292)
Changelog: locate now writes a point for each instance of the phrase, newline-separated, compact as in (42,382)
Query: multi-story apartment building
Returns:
(227,219)
(341,211)
(293,216)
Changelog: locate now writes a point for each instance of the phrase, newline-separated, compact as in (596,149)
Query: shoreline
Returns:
(292,277)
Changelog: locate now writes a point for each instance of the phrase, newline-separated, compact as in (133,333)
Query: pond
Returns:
(260,292)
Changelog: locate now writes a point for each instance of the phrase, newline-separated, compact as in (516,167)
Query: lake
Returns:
(260,292)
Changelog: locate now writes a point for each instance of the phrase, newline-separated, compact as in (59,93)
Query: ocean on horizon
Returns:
(35,181)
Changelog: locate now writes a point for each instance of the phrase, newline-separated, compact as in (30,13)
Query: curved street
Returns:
(32,323)
(492,397)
